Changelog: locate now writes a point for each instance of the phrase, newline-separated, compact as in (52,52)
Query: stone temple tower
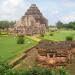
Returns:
(33,22)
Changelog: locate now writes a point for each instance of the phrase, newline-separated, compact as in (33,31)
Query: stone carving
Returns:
(33,22)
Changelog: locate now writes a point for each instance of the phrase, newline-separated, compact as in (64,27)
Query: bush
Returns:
(42,35)
(20,40)
(62,71)
(51,34)
(39,71)
(69,38)
(5,69)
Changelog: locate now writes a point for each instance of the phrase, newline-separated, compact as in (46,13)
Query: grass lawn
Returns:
(60,35)
(9,49)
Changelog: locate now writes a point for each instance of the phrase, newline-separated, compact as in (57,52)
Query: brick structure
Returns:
(54,53)
(33,22)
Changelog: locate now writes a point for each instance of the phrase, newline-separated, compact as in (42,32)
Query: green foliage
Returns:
(42,35)
(6,70)
(12,23)
(70,25)
(59,24)
(20,40)
(69,38)
(3,33)
(39,71)
(62,71)
(6,24)
(51,34)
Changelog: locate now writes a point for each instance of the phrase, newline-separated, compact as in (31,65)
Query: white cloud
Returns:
(69,17)
(9,8)
(12,3)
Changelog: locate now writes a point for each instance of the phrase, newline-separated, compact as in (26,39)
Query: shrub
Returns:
(69,38)
(42,35)
(4,68)
(39,71)
(51,34)
(20,40)
(62,71)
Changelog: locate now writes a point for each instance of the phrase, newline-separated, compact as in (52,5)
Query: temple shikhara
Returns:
(33,22)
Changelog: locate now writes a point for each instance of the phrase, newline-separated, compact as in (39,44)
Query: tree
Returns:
(70,25)
(20,39)
(4,24)
(59,24)
(12,23)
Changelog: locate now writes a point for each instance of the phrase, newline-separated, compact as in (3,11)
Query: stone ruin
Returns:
(33,22)
(55,53)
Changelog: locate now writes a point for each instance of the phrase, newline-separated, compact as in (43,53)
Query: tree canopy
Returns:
(6,24)
(70,25)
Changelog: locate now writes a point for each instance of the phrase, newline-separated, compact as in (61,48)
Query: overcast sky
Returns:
(53,10)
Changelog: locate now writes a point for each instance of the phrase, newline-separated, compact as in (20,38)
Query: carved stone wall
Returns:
(32,22)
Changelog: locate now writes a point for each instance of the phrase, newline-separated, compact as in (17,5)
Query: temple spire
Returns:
(33,22)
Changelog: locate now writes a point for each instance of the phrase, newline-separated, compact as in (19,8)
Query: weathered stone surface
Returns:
(33,22)
(55,53)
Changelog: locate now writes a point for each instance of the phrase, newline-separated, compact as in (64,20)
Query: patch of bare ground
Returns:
(28,61)
(71,67)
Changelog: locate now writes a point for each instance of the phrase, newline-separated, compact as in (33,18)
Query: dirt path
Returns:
(29,61)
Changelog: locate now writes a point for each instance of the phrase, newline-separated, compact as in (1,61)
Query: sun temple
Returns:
(33,22)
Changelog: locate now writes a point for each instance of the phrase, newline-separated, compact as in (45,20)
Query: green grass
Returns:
(9,49)
(60,35)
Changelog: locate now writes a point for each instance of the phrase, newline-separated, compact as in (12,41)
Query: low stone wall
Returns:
(19,59)
(29,49)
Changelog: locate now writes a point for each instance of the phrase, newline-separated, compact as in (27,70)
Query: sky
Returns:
(53,10)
